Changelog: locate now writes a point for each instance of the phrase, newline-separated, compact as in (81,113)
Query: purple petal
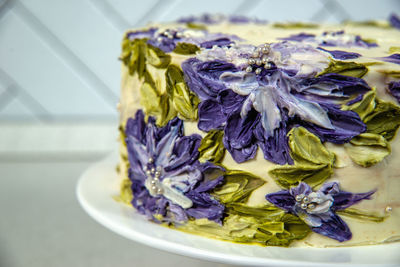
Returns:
(230,101)
(340,54)
(137,127)
(275,147)
(185,152)
(220,42)
(141,34)
(203,77)
(343,200)
(238,136)
(179,214)
(347,124)
(394,21)
(210,115)
(298,37)
(282,199)
(204,206)
(213,176)
(394,89)
(334,227)
(301,189)
(394,58)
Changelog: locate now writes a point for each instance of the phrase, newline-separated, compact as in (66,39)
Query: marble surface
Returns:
(42,224)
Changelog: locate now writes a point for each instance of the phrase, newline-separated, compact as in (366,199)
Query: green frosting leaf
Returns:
(313,163)
(266,225)
(394,49)
(361,215)
(365,106)
(186,49)
(345,68)
(183,100)
(295,25)
(137,53)
(156,57)
(237,186)
(384,119)
(196,26)
(369,23)
(368,149)
(390,73)
(307,148)
(211,147)
(291,175)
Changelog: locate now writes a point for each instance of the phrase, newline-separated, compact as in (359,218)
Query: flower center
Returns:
(153,174)
(259,59)
(305,203)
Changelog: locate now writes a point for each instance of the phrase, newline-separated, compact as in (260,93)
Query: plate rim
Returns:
(194,252)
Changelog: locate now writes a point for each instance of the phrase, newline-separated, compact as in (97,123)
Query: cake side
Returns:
(370,221)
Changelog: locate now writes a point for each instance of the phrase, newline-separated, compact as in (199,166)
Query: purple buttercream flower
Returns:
(338,38)
(317,209)
(340,54)
(394,89)
(394,58)
(394,20)
(219,18)
(259,109)
(167,178)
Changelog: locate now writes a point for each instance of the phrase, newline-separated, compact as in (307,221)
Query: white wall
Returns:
(58,59)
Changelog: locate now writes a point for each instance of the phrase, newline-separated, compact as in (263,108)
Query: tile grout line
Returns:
(66,55)
(111,14)
(38,111)
(148,16)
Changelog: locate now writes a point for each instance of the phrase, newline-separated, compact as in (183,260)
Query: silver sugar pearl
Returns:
(388,209)
(151,160)
(160,191)
(299,197)
(311,206)
(148,172)
(303,206)
(249,69)
(255,54)
(265,50)
(267,65)
(157,174)
(258,62)
(159,39)
(153,170)
(154,188)
(306,200)
(251,61)
(264,60)
(153,182)
(258,71)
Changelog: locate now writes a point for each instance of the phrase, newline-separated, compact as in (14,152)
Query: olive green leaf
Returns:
(391,73)
(184,101)
(345,68)
(196,26)
(384,119)
(186,49)
(368,149)
(252,225)
(295,25)
(237,186)
(137,53)
(365,106)
(313,163)
(394,49)
(307,148)
(287,176)
(156,57)
(361,215)
(211,147)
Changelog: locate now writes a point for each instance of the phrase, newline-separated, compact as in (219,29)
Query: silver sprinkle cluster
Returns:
(153,173)
(259,58)
(304,202)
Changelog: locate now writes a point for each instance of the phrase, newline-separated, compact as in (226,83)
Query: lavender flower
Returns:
(167,39)
(317,209)
(340,54)
(394,20)
(167,178)
(338,38)
(394,90)
(258,108)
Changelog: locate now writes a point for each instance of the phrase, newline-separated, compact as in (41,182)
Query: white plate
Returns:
(100,183)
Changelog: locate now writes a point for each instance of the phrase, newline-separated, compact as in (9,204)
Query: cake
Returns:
(278,134)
